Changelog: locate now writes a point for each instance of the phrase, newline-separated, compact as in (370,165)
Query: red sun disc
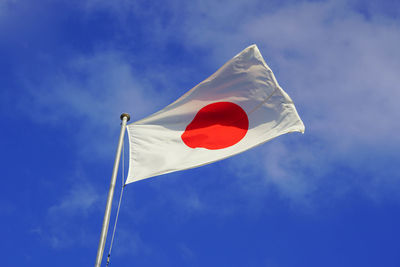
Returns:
(216,126)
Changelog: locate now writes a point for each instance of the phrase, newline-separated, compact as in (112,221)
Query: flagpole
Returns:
(124,118)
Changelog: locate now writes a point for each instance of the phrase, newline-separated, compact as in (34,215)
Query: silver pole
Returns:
(124,118)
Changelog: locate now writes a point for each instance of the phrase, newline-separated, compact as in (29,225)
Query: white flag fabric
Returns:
(237,108)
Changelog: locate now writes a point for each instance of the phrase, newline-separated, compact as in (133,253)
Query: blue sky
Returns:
(326,198)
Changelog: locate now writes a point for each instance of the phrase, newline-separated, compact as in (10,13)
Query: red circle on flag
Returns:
(216,126)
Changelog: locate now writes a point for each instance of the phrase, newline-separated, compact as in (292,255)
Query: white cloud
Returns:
(64,225)
(93,89)
(80,200)
(341,70)
(129,242)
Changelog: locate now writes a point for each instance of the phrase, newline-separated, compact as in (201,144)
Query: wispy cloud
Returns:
(129,242)
(340,69)
(92,89)
(61,227)
(80,200)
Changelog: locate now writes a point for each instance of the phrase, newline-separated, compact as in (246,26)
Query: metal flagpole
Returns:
(124,118)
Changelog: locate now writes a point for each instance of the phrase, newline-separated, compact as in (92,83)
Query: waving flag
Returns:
(237,108)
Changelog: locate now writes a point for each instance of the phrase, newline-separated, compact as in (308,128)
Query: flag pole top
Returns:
(128,117)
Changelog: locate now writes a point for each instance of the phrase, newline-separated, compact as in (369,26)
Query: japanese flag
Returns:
(238,107)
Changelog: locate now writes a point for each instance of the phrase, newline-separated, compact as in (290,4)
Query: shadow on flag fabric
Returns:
(238,107)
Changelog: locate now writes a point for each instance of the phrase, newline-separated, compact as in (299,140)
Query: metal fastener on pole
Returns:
(124,118)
